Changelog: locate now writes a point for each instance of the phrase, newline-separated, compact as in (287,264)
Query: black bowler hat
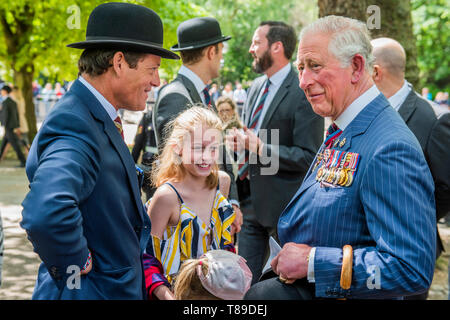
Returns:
(198,33)
(125,26)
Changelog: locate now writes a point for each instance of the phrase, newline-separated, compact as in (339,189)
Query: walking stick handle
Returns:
(347,267)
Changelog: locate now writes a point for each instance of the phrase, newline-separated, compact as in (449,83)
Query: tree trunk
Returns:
(351,9)
(16,36)
(395,23)
(23,78)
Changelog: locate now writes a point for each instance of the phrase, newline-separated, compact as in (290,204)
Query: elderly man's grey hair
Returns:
(348,37)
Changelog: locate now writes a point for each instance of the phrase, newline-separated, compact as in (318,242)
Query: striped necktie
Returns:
(243,167)
(257,113)
(119,127)
(207,97)
(333,132)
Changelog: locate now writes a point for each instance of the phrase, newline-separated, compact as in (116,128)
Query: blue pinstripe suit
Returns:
(387,214)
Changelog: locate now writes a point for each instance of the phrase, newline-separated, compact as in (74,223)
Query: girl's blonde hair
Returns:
(187,284)
(168,165)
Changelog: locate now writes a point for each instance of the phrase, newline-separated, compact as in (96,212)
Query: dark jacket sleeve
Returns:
(439,159)
(69,161)
(139,141)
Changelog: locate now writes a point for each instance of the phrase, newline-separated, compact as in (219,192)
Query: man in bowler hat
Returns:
(200,43)
(84,214)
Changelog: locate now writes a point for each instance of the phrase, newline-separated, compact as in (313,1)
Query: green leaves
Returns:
(432,29)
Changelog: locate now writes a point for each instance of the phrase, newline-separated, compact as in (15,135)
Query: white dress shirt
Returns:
(275,82)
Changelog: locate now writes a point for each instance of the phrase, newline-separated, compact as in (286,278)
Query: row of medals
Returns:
(342,173)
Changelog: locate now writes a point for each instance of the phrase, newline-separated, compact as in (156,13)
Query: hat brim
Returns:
(200,44)
(125,44)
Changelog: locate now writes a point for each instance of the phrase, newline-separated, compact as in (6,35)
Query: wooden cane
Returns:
(347,267)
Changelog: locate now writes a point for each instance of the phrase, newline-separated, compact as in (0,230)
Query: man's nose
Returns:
(305,79)
(156,81)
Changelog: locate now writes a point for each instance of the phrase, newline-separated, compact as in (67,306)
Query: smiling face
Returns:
(135,83)
(200,151)
(326,84)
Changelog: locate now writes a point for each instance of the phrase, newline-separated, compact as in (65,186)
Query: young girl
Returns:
(217,274)
(189,211)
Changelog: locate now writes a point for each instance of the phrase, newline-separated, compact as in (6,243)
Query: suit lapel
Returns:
(279,96)
(409,106)
(99,113)
(252,100)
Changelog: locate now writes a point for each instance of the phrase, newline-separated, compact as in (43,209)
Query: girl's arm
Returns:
(163,209)
(224,183)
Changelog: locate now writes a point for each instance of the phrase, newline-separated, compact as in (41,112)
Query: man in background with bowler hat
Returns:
(200,43)
(84,214)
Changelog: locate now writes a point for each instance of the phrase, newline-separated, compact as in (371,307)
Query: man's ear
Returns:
(277,47)
(377,73)
(210,52)
(357,64)
(118,62)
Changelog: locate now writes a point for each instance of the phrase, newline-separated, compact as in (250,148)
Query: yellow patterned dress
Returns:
(191,237)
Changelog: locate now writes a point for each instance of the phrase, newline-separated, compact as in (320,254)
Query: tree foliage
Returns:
(432,30)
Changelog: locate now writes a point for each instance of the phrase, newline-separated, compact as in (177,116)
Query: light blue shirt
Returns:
(275,82)
(109,108)
(342,122)
(198,83)
(400,96)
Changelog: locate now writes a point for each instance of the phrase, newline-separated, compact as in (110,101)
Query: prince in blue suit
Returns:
(83,213)
(369,185)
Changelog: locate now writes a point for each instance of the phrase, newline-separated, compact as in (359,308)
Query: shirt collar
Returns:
(400,96)
(191,75)
(278,77)
(355,107)
(109,108)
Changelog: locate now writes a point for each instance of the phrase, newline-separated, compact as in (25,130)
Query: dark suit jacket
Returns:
(439,160)
(300,136)
(84,194)
(421,120)
(170,103)
(10,114)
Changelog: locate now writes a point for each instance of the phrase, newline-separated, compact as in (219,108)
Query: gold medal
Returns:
(342,142)
(350,178)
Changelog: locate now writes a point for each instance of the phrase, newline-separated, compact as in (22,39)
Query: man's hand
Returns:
(237,223)
(252,142)
(235,140)
(163,293)
(238,140)
(291,263)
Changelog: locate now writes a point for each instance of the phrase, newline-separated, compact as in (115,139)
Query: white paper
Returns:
(274,250)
